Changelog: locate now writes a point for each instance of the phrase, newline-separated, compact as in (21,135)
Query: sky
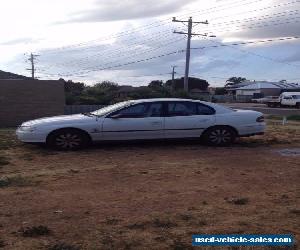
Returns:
(131,42)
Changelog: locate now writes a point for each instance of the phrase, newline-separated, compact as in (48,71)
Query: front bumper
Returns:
(31,137)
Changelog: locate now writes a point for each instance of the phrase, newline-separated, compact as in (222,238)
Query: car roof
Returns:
(164,100)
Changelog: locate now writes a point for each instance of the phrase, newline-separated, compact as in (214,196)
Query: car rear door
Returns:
(186,119)
(138,121)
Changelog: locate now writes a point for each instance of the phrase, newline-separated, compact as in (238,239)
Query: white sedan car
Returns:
(163,118)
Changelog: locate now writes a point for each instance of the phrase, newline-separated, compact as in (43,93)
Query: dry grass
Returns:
(148,196)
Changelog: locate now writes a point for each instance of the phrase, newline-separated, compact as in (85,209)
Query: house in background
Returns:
(231,90)
(263,88)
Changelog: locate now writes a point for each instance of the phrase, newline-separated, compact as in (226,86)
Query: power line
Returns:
(120,50)
(249,42)
(155,24)
(124,64)
(111,55)
(260,18)
(240,27)
(257,55)
(115,53)
(255,10)
(139,53)
(172,53)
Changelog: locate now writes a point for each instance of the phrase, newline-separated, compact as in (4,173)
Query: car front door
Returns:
(138,121)
(186,119)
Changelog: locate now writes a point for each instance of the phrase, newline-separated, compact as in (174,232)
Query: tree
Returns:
(101,93)
(194,83)
(234,81)
(220,91)
(156,84)
(73,87)
(106,85)
(73,91)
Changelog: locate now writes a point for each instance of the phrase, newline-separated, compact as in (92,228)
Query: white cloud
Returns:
(40,26)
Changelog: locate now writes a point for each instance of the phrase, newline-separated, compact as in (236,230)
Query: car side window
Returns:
(182,109)
(154,109)
(140,110)
(134,111)
(204,110)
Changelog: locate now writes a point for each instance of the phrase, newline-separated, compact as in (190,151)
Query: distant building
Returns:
(263,88)
(231,90)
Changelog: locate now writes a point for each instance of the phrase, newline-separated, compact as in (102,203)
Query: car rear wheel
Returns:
(298,105)
(220,136)
(68,139)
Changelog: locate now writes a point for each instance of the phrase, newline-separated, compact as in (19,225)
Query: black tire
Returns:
(68,139)
(219,136)
(298,105)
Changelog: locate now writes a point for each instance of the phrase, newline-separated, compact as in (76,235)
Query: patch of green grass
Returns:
(280,117)
(239,201)
(179,244)
(164,223)
(63,246)
(35,231)
(2,244)
(27,157)
(15,181)
(111,221)
(274,117)
(294,117)
(4,161)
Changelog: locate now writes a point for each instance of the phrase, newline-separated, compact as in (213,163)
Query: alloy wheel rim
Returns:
(220,136)
(68,140)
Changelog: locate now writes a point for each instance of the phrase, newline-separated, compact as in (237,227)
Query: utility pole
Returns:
(32,59)
(173,75)
(188,46)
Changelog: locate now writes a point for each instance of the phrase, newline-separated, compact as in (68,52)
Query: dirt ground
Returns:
(148,195)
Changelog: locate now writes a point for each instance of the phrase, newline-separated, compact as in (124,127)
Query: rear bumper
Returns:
(252,129)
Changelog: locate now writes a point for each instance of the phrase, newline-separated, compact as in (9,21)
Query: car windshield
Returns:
(110,108)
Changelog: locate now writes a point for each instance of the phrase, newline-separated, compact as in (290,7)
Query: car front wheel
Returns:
(220,136)
(68,139)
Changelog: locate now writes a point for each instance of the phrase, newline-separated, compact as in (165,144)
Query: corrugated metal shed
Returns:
(270,85)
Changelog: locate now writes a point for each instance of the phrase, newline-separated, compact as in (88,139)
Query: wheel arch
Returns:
(69,128)
(221,126)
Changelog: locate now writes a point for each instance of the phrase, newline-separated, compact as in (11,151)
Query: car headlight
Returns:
(27,128)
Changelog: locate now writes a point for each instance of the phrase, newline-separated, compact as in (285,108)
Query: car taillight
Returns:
(260,119)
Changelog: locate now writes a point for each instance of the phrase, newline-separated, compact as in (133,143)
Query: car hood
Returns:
(62,119)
